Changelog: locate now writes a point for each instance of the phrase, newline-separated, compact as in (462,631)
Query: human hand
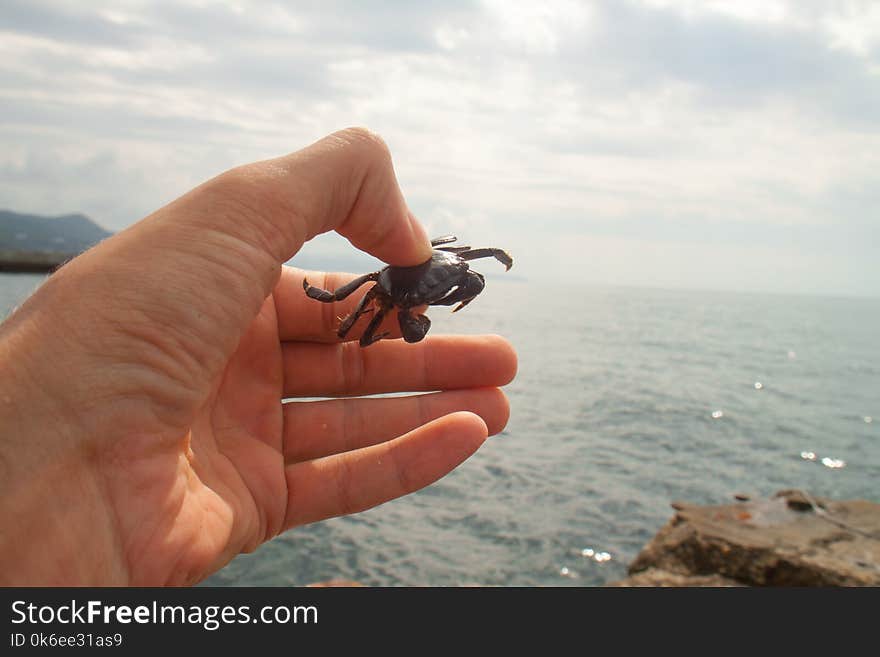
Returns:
(143,439)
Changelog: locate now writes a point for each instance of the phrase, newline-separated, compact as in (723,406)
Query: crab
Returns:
(444,280)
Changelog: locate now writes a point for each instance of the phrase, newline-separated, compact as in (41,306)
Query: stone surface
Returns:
(658,577)
(790,539)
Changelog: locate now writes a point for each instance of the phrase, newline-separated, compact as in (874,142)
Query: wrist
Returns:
(49,497)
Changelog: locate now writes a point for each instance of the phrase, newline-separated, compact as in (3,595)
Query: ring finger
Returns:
(321,428)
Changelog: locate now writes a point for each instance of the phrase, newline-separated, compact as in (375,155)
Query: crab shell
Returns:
(430,282)
(444,280)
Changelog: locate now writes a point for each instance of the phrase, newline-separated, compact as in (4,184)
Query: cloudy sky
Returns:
(674,143)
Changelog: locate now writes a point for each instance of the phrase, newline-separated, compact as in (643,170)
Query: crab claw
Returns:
(413,327)
(317,293)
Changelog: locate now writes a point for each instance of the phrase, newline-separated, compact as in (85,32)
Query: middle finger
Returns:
(439,362)
(313,429)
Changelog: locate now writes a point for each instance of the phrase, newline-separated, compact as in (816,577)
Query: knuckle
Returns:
(368,149)
(234,187)
(355,425)
(244,206)
(352,366)
(367,139)
(404,481)
(346,503)
(328,310)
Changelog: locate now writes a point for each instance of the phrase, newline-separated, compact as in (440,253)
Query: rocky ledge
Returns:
(790,539)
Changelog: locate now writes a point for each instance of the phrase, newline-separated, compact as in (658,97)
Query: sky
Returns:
(670,143)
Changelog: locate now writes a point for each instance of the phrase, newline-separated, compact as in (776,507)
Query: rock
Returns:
(798,500)
(790,539)
(657,577)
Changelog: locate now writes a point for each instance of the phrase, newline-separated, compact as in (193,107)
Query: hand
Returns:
(144,440)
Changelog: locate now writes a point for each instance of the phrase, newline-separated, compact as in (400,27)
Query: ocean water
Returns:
(626,400)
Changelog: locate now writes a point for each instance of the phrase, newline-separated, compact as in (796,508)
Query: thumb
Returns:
(189,279)
(255,217)
(344,182)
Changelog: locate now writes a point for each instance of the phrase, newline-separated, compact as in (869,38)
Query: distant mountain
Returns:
(71,233)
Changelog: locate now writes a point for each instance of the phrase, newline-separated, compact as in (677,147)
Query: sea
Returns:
(626,400)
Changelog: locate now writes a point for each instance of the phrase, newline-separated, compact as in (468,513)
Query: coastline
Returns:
(32,262)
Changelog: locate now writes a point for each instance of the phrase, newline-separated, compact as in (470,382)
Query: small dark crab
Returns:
(444,280)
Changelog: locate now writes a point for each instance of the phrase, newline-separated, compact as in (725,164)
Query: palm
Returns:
(221,488)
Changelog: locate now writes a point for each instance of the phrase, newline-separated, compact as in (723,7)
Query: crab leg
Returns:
(340,293)
(352,317)
(446,239)
(498,254)
(367,338)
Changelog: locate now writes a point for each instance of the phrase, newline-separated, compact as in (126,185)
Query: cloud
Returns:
(716,127)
